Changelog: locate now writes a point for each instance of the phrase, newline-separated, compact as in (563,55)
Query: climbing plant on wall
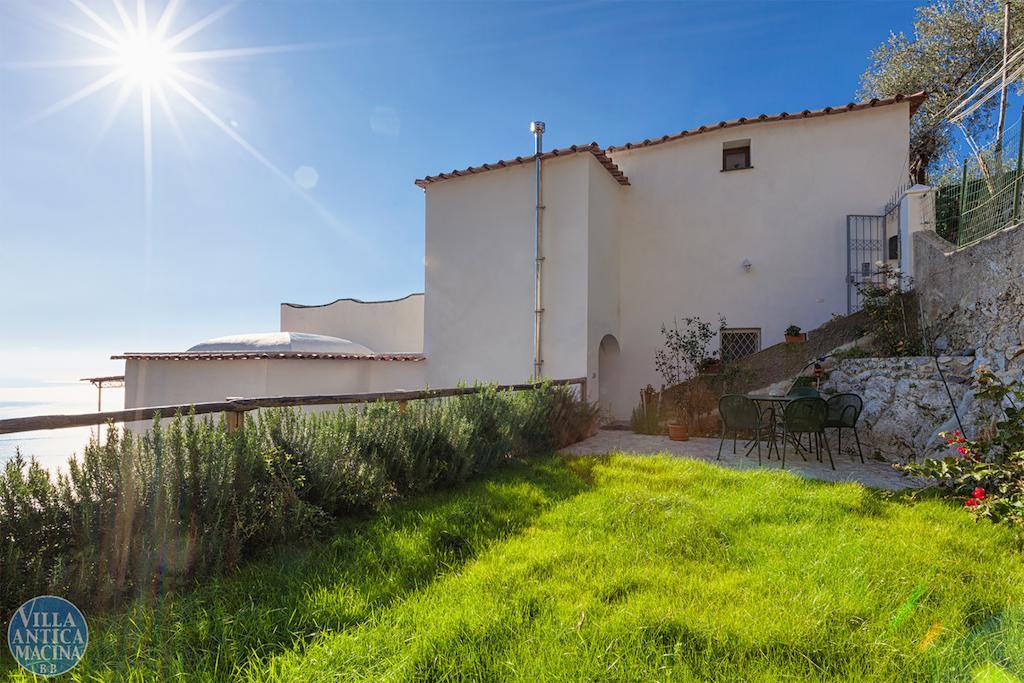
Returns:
(892,313)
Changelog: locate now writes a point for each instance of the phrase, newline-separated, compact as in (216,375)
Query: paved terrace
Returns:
(872,473)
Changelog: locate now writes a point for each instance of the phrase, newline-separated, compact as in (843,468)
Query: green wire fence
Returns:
(988,196)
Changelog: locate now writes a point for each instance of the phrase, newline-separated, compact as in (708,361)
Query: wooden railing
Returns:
(235,408)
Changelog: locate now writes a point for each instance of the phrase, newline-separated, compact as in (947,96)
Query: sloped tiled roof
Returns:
(593,148)
(602,155)
(915,101)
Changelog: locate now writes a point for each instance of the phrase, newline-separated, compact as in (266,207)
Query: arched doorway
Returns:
(608,376)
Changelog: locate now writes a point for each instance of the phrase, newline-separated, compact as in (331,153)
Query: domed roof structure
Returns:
(277,342)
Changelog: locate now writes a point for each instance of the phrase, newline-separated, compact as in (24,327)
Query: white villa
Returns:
(758,219)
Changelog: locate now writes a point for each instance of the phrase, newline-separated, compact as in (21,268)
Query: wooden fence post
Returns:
(236,420)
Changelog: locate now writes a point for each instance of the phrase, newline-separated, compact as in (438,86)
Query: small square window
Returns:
(736,155)
(738,343)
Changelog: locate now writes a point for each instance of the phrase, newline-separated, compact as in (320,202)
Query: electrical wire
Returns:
(945,111)
(989,95)
(992,76)
(972,86)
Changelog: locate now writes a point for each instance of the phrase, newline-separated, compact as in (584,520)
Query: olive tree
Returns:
(954,43)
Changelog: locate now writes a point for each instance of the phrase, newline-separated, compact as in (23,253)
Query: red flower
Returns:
(962,450)
(979,493)
(971,502)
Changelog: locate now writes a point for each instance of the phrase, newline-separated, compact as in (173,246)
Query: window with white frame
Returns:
(739,342)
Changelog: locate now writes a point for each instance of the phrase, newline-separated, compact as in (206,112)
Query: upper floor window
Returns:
(736,155)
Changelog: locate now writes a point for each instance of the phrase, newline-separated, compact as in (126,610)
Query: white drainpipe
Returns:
(537,128)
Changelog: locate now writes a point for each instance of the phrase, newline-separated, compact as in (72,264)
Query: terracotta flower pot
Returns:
(796,338)
(678,432)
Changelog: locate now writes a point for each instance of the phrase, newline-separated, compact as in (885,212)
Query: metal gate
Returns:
(865,244)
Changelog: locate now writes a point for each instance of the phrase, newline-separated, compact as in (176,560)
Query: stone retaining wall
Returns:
(972,299)
(905,401)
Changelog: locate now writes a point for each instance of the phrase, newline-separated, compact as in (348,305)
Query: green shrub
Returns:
(140,515)
(986,473)
(886,303)
(646,416)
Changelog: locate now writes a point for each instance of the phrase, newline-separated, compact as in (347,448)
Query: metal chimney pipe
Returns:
(537,128)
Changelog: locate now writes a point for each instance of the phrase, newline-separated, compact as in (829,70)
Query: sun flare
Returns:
(151,61)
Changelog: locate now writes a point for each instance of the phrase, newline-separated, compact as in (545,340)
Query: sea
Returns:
(51,447)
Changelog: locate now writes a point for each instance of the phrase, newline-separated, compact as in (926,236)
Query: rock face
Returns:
(905,401)
(972,299)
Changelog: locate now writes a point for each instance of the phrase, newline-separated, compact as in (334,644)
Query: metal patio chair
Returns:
(739,413)
(806,416)
(843,413)
(803,391)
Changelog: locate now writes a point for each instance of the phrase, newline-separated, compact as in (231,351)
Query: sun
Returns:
(145,60)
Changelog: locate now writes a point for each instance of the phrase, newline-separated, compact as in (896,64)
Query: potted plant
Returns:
(683,356)
(794,335)
(678,427)
(677,430)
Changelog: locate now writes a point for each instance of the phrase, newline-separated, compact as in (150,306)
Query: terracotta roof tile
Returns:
(915,101)
(592,148)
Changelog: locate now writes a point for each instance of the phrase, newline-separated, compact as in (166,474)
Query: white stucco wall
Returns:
(383,326)
(619,261)
(566,295)
(480,274)
(917,213)
(624,260)
(604,208)
(687,226)
(170,382)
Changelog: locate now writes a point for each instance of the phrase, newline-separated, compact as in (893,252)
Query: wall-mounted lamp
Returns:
(746,264)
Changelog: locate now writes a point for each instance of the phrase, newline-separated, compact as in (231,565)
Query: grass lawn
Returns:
(623,568)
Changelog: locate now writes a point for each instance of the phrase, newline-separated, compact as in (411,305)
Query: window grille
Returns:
(738,343)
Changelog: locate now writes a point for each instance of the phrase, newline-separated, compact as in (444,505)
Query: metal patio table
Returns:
(778,403)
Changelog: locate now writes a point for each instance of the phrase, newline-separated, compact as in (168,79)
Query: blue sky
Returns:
(384,93)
